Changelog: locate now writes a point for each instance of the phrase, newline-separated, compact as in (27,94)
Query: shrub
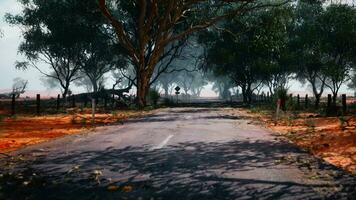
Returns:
(154,96)
(311,125)
(282,94)
(168,102)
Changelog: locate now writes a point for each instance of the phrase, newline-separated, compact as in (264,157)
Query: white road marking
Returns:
(163,143)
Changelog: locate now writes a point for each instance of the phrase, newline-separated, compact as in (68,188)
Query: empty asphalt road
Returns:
(176,153)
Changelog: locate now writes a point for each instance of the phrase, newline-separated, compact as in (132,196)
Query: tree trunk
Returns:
(244,94)
(334,98)
(95,86)
(317,100)
(142,89)
(249,93)
(317,94)
(65,92)
(144,72)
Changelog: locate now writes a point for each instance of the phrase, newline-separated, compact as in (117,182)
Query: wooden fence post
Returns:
(13,101)
(329,103)
(73,101)
(278,109)
(329,100)
(58,101)
(86,100)
(306,101)
(344,108)
(38,104)
(93,104)
(113,100)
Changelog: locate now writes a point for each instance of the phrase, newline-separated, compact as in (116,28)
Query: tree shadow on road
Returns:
(177,116)
(185,171)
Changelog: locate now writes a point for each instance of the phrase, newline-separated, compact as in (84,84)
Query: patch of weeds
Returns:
(133,107)
(343,122)
(168,102)
(291,104)
(149,108)
(73,120)
(14,117)
(289,119)
(154,96)
(83,121)
(114,114)
(2,118)
(256,109)
(310,125)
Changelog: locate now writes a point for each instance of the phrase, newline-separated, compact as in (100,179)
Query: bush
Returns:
(168,102)
(154,96)
(282,94)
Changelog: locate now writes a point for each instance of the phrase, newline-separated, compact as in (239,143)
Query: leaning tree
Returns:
(146,28)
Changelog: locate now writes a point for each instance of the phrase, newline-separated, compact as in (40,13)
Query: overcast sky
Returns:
(8,55)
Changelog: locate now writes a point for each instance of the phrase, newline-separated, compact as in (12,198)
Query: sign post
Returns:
(278,109)
(177,92)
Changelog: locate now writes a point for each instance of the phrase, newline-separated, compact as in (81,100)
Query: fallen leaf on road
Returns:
(73,169)
(112,188)
(127,188)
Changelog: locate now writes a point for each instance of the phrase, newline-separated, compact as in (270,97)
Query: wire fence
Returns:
(39,106)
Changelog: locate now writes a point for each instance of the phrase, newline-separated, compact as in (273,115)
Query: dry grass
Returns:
(20,131)
(330,138)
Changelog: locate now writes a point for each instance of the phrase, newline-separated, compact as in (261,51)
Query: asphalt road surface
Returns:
(177,153)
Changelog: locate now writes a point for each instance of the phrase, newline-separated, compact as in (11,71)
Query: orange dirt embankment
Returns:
(330,138)
(27,130)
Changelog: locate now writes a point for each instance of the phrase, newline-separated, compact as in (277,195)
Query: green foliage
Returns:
(2,117)
(168,102)
(147,29)
(253,48)
(154,96)
(133,107)
(83,121)
(339,44)
(149,108)
(281,93)
(70,37)
(114,114)
(306,42)
(352,84)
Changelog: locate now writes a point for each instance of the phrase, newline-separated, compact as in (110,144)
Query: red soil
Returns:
(325,137)
(26,130)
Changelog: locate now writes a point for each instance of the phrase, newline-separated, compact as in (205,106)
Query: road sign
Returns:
(177,89)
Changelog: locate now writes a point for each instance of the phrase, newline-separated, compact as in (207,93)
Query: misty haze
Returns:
(178,99)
